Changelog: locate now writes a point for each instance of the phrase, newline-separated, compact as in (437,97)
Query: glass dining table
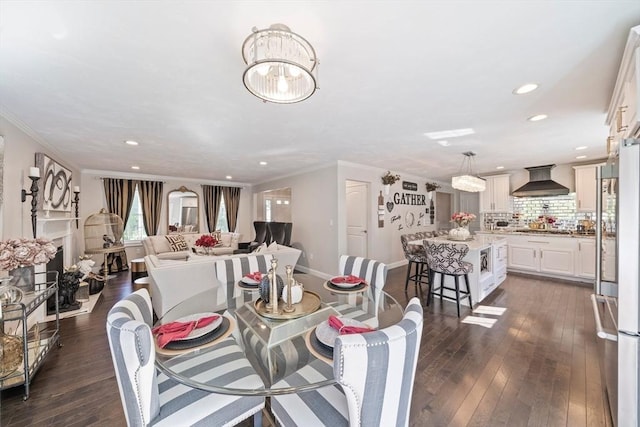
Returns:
(275,347)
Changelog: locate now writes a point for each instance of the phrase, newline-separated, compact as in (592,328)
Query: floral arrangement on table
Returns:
(389,179)
(207,241)
(15,253)
(462,218)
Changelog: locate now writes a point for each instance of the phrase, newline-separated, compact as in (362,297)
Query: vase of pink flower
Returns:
(19,256)
(462,220)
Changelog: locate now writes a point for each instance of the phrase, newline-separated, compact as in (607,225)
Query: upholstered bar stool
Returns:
(446,259)
(416,256)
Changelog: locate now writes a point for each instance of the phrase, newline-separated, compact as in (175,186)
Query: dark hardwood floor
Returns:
(536,366)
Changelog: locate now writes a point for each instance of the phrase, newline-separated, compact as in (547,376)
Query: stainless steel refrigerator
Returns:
(616,302)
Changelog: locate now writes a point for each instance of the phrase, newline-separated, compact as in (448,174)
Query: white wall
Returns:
(19,155)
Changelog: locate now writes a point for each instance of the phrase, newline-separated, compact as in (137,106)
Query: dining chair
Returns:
(229,271)
(375,374)
(416,257)
(446,259)
(374,272)
(150,398)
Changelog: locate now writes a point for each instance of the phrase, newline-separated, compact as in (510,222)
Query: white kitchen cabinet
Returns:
(585,188)
(586,258)
(541,254)
(496,198)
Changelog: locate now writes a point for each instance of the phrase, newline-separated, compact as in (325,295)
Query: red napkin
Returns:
(176,330)
(351,279)
(337,324)
(257,276)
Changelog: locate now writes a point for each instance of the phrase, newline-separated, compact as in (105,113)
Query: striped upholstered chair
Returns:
(229,272)
(375,374)
(152,399)
(374,272)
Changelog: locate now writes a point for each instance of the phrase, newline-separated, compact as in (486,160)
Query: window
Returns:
(222,224)
(267,210)
(134,228)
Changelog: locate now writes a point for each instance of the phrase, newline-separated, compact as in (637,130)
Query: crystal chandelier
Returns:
(280,65)
(467,181)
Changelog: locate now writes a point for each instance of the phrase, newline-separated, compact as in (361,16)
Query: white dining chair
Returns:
(375,373)
(374,272)
(153,399)
(229,271)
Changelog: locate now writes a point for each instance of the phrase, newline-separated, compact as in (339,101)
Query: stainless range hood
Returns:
(540,184)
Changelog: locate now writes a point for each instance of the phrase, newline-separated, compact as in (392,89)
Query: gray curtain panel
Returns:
(151,200)
(212,195)
(232,203)
(119,194)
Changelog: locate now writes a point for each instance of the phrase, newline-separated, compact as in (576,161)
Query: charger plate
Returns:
(318,349)
(208,340)
(337,290)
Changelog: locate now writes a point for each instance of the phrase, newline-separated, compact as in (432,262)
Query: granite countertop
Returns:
(478,242)
(547,233)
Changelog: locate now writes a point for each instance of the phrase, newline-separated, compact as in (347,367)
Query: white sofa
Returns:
(159,245)
(173,281)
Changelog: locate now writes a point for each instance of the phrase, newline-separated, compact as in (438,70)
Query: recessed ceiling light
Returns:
(229,177)
(263,163)
(131,142)
(525,88)
(450,133)
(537,117)
(583,147)
(499,167)
(581,157)
(444,143)
(135,167)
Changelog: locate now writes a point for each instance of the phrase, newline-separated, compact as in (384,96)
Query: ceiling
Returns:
(82,77)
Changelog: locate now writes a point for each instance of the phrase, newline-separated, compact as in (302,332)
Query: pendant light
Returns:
(467,181)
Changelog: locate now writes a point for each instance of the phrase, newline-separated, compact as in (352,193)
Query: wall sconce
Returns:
(76,200)
(34,176)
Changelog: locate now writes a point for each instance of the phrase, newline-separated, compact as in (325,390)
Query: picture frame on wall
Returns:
(54,185)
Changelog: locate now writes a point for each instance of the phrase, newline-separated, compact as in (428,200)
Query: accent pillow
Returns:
(273,247)
(177,243)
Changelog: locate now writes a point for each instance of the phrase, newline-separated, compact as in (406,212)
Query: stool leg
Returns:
(466,280)
(432,275)
(457,294)
(406,282)
(441,286)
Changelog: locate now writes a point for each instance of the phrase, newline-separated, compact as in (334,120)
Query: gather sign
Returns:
(409,199)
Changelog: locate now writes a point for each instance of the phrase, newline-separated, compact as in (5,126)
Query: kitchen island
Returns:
(488,255)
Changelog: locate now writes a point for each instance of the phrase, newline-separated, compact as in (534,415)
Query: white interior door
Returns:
(357,218)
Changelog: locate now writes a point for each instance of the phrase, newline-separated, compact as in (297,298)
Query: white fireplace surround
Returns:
(58,230)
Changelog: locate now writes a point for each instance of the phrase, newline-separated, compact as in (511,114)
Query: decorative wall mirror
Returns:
(183,211)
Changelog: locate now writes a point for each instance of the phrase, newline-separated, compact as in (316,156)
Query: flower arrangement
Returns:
(548,219)
(462,218)
(22,252)
(390,179)
(432,186)
(207,241)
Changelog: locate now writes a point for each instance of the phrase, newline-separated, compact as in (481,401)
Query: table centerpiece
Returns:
(462,220)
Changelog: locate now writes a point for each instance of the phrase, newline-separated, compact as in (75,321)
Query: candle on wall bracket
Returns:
(76,202)
(34,176)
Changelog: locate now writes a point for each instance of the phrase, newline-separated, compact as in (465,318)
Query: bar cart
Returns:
(39,339)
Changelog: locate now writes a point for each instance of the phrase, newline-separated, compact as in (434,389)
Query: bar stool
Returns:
(415,254)
(446,259)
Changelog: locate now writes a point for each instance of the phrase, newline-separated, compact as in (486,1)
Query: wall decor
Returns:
(55,184)
(380,210)
(411,186)
(410,199)
(409,219)
(390,206)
